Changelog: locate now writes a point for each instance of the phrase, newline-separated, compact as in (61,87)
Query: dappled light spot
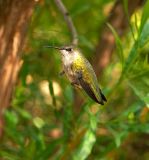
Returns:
(95,108)
(55,133)
(107,9)
(38,122)
(102,131)
(29,79)
(3,45)
(16,43)
(1,30)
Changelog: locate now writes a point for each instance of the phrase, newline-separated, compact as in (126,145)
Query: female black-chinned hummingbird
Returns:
(80,72)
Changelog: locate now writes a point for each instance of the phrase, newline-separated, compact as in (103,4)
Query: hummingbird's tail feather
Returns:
(103,97)
(90,92)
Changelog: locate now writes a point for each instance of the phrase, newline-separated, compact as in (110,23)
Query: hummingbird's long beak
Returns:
(59,48)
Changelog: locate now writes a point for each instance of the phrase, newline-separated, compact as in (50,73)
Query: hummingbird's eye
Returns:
(69,49)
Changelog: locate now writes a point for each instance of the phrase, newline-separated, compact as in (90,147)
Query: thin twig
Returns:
(68,20)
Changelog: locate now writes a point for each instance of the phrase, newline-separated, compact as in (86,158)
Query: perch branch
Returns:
(68,20)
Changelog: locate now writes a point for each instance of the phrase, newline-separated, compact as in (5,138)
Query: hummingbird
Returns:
(80,72)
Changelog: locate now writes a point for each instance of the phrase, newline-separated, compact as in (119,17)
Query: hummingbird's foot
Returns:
(62,73)
(76,85)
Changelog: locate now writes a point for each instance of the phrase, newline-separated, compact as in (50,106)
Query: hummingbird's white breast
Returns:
(67,60)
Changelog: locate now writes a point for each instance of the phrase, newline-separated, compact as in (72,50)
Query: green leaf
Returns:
(11,118)
(118,136)
(5,155)
(138,75)
(25,114)
(89,138)
(118,44)
(141,89)
(49,150)
(68,93)
(125,2)
(131,109)
(145,15)
(78,9)
(52,93)
(144,37)
(86,42)
(130,59)
(138,128)
(138,45)
(11,129)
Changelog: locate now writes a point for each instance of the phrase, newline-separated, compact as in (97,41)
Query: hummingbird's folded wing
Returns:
(89,90)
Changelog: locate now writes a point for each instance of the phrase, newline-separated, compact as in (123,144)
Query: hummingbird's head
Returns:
(66,51)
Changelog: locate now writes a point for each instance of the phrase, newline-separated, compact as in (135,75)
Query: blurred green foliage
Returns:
(43,123)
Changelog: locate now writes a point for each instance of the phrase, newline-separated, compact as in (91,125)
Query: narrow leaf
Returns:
(118,44)
(145,15)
